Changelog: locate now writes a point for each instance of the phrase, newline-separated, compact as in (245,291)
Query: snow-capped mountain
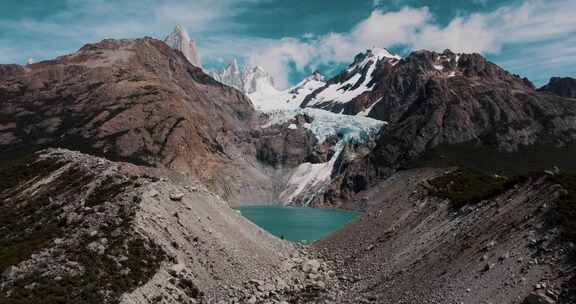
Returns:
(180,40)
(353,82)
(255,82)
(247,79)
(268,98)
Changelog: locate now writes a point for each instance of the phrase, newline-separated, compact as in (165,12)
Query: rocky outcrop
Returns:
(561,86)
(289,144)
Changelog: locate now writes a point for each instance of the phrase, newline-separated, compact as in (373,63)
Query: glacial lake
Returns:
(297,224)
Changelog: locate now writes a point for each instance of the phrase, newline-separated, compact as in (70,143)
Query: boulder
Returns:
(176,196)
(311,266)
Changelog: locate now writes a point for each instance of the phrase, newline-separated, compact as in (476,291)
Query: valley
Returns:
(129,174)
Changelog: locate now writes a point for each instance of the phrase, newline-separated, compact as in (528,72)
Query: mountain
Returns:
(356,80)
(247,79)
(459,106)
(565,87)
(180,40)
(129,100)
(259,86)
(231,75)
(119,165)
(268,98)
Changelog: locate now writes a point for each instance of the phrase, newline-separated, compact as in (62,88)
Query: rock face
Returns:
(561,86)
(282,146)
(180,40)
(432,99)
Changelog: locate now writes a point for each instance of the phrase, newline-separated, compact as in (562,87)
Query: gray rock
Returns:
(539,297)
(153,193)
(176,196)
(311,266)
(251,300)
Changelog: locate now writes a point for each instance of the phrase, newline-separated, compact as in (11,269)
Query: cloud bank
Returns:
(532,36)
(529,25)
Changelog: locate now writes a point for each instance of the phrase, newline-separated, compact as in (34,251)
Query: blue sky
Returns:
(290,38)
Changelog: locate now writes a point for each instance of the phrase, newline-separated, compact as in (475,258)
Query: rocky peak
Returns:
(561,86)
(180,40)
(256,78)
(316,76)
(372,56)
(353,82)
(248,79)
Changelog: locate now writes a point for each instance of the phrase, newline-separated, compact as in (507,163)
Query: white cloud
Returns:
(467,35)
(85,21)
(534,21)
(277,58)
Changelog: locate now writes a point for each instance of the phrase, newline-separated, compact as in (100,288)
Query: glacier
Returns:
(308,180)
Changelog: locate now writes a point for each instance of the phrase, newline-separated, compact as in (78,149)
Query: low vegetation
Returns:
(470,186)
(32,219)
(27,224)
(567,203)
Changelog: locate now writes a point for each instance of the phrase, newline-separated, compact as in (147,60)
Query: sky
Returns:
(291,38)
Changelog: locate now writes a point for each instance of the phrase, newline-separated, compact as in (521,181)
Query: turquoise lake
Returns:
(297,224)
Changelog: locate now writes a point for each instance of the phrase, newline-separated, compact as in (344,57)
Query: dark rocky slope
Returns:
(561,86)
(436,100)
(81,229)
(495,240)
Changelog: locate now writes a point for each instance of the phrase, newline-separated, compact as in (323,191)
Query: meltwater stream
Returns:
(297,224)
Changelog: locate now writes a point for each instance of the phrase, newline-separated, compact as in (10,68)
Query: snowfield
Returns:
(267,98)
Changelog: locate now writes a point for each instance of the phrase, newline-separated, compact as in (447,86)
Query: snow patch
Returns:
(366,111)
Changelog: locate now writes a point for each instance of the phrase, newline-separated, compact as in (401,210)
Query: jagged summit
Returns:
(180,40)
(353,82)
(247,79)
(372,55)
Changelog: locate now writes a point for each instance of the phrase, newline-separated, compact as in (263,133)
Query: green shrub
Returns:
(469,186)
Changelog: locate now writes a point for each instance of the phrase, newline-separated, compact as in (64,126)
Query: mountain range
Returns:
(120,164)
